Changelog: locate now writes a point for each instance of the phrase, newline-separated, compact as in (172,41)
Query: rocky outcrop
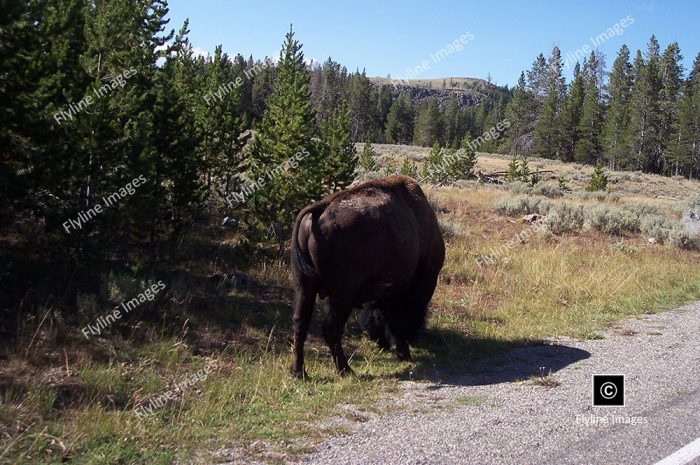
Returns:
(465,97)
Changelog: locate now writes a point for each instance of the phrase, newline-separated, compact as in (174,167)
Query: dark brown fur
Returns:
(378,242)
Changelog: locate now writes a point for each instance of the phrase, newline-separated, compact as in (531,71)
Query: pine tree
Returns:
(616,142)
(177,188)
(513,172)
(408,168)
(538,78)
(433,168)
(390,166)
(220,125)
(671,75)
(333,79)
(340,160)
(428,128)
(684,147)
(122,146)
(366,159)
(644,128)
(599,180)
(547,131)
(520,112)
(287,132)
(359,103)
(589,131)
(524,171)
(399,124)
(573,109)
(451,122)
(460,165)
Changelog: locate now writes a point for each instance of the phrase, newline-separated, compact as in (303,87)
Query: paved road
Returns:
(491,416)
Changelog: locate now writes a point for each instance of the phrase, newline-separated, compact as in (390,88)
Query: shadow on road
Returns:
(456,359)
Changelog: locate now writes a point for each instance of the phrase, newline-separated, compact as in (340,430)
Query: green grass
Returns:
(470,401)
(573,285)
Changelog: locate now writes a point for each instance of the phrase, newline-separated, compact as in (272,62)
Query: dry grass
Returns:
(72,400)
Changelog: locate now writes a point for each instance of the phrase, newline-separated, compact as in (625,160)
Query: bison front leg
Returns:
(403,352)
(303,308)
(333,329)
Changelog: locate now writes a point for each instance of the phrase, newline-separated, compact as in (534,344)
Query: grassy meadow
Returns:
(68,398)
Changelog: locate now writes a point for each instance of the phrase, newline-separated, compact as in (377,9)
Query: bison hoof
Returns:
(300,374)
(404,355)
(347,371)
(384,345)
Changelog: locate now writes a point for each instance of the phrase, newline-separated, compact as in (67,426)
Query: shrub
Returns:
(612,220)
(613,197)
(521,204)
(622,246)
(565,218)
(657,226)
(520,187)
(684,239)
(548,190)
(694,202)
(643,209)
(510,205)
(449,229)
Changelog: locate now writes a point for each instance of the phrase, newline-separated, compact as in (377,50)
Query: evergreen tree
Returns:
(520,112)
(588,148)
(573,109)
(538,78)
(340,160)
(219,124)
(390,166)
(671,78)
(451,122)
(684,147)
(408,168)
(599,180)
(427,128)
(547,131)
(359,102)
(433,168)
(399,124)
(176,185)
(287,132)
(333,80)
(366,159)
(513,172)
(616,142)
(644,128)
(460,165)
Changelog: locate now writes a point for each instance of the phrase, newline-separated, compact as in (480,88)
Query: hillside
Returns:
(468,91)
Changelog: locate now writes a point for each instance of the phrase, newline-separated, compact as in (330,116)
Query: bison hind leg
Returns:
(333,329)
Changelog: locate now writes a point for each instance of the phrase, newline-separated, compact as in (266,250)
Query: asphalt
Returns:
(496,414)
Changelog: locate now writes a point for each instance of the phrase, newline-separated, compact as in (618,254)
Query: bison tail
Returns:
(300,258)
(304,264)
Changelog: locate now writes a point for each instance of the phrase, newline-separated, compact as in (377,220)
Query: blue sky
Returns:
(389,37)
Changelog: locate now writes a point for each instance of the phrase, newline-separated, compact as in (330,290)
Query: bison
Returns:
(377,244)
